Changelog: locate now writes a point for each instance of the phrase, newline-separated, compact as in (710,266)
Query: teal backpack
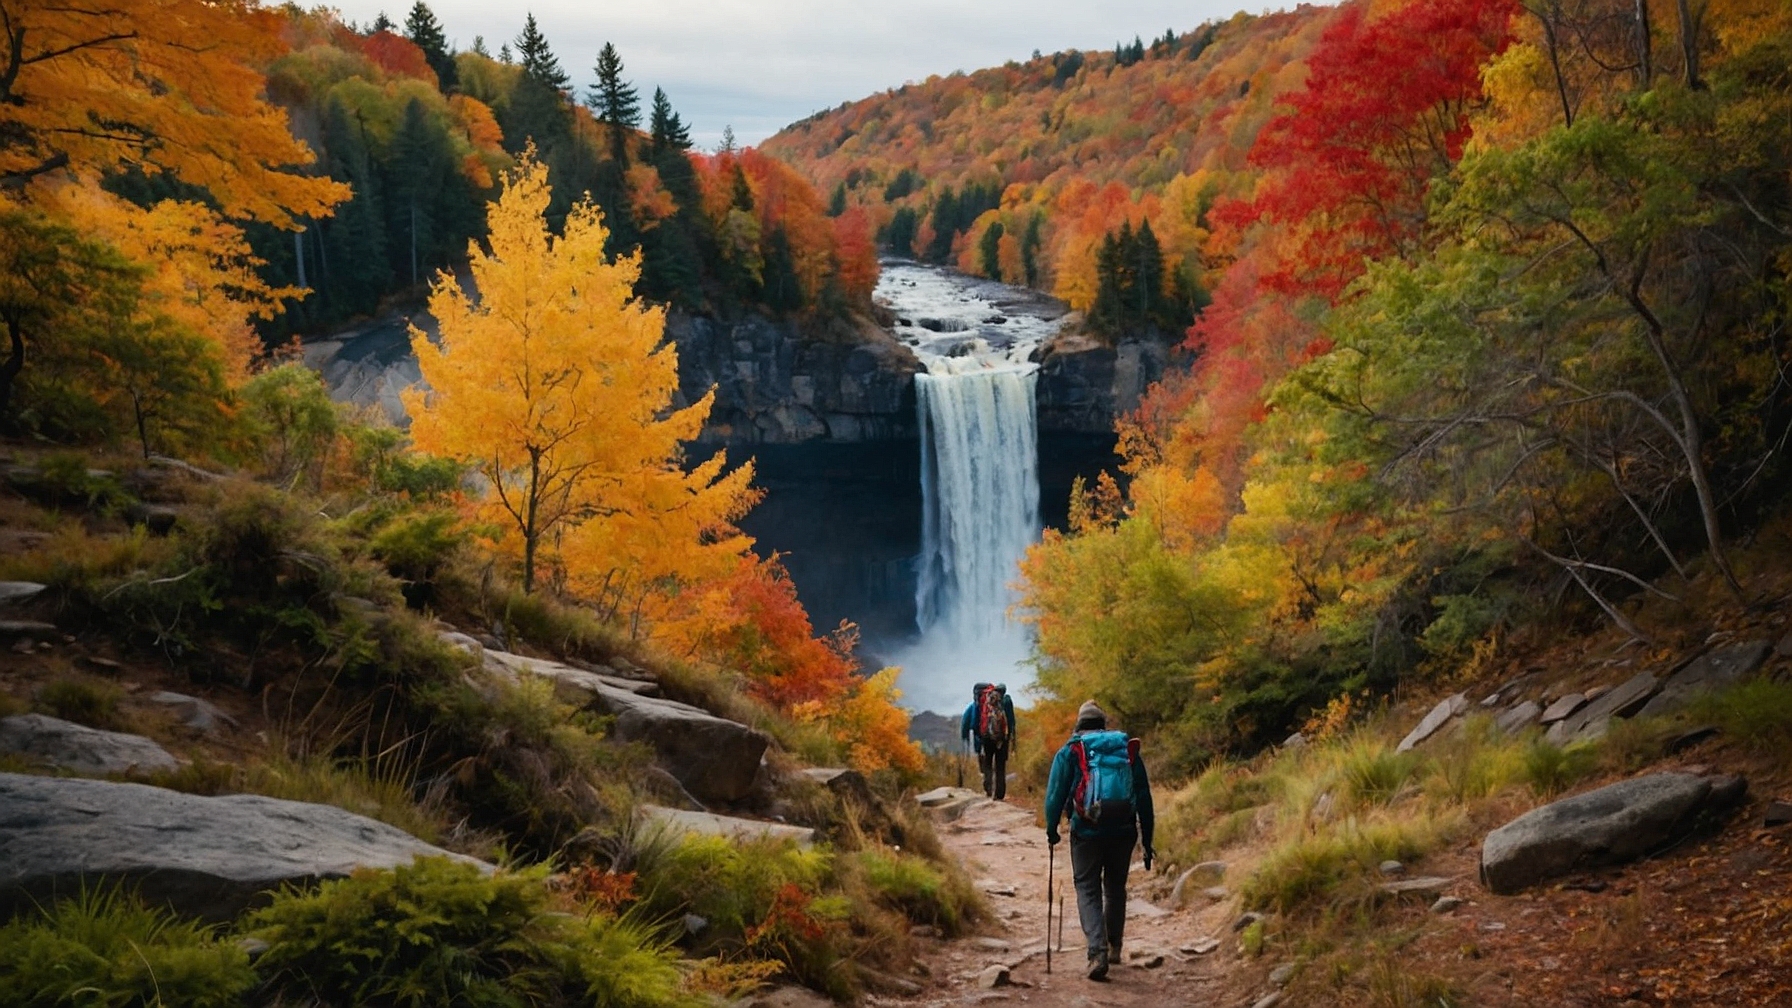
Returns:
(1103,761)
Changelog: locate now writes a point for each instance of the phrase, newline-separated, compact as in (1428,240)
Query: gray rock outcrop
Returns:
(1620,701)
(776,383)
(1611,825)
(1433,722)
(1710,672)
(12,592)
(714,758)
(1518,718)
(69,746)
(710,824)
(206,856)
(1085,383)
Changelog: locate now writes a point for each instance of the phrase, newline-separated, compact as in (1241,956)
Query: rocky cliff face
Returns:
(1084,384)
(778,383)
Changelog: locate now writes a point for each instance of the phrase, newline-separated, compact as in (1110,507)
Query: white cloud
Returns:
(759,66)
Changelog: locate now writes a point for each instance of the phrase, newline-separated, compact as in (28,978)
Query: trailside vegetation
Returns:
(1500,339)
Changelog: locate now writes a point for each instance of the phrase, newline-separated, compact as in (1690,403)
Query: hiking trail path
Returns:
(1003,849)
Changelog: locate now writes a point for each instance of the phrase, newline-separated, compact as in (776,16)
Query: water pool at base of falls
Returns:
(979,475)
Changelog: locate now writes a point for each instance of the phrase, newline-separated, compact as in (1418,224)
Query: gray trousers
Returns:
(1098,867)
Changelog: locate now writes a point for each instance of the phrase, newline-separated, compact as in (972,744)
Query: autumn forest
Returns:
(1467,333)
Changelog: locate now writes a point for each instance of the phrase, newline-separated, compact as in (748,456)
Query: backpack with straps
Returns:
(1103,761)
(992,720)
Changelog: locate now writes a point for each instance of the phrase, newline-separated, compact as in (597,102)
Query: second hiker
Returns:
(988,724)
(1100,776)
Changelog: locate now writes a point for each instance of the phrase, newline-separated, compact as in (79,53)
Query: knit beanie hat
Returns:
(1089,715)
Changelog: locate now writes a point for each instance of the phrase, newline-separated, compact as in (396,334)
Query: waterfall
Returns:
(979,477)
(980,500)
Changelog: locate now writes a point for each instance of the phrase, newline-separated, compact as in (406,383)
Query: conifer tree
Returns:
(538,60)
(727,144)
(381,23)
(615,101)
(667,129)
(989,251)
(422,28)
(353,271)
(837,202)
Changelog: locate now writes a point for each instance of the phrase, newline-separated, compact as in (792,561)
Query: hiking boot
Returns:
(1098,966)
(1114,955)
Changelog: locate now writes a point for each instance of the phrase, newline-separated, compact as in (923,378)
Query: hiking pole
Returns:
(961,753)
(1051,856)
(1060,924)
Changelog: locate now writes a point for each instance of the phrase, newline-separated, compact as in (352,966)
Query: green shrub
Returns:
(289,414)
(762,898)
(1312,866)
(1631,743)
(1756,714)
(916,889)
(1373,773)
(63,479)
(415,544)
(84,701)
(1551,769)
(105,948)
(439,932)
(1472,763)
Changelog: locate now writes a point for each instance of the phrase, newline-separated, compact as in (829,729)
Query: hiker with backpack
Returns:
(988,724)
(1100,777)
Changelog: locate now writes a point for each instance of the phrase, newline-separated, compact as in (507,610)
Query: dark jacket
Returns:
(967,725)
(1063,781)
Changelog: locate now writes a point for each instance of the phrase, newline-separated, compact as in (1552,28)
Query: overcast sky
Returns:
(759,66)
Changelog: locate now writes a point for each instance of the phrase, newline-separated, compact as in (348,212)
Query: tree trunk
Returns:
(15,363)
(1689,44)
(531,534)
(1645,56)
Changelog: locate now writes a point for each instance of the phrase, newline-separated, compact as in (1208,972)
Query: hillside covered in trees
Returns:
(1027,172)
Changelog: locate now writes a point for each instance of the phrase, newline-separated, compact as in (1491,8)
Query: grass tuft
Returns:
(84,701)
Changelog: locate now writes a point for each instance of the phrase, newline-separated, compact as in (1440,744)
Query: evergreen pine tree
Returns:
(352,271)
(837,202)
(743,193)
(1147,276)
(381,23)
(782,290)
(667,130)
(616,103)
(422,28)
(727,145)
(539,62)
(504,54)
(899,235)
(945,225)
(421,181)
(1030,243)
(479,45)
(989,250)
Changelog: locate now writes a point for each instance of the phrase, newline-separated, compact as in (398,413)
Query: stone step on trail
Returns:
(1710,672)
(209,857)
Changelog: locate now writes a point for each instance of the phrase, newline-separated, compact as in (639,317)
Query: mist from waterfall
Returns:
(979,481)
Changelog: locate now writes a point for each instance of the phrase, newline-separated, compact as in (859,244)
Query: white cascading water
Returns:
(979,480)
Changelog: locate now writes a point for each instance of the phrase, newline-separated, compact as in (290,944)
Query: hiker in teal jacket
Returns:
(992,754)
(1100,853)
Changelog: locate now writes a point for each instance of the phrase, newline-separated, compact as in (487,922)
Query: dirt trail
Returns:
(1000,846)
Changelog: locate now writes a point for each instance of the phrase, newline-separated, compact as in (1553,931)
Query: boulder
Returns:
(1710,672)
(1562,707)
(714,758)
(1440,715)
(1611,825)
(1520,717)
(69,746)
(948,803)
(14,592)
(844,783)
(199,715)
(26,628)
(206,856)
(1621,701)
(785,997)
(993,977)
(710,824)
(1186,883)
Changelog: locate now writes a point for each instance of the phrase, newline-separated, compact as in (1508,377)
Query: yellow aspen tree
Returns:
(553,383)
